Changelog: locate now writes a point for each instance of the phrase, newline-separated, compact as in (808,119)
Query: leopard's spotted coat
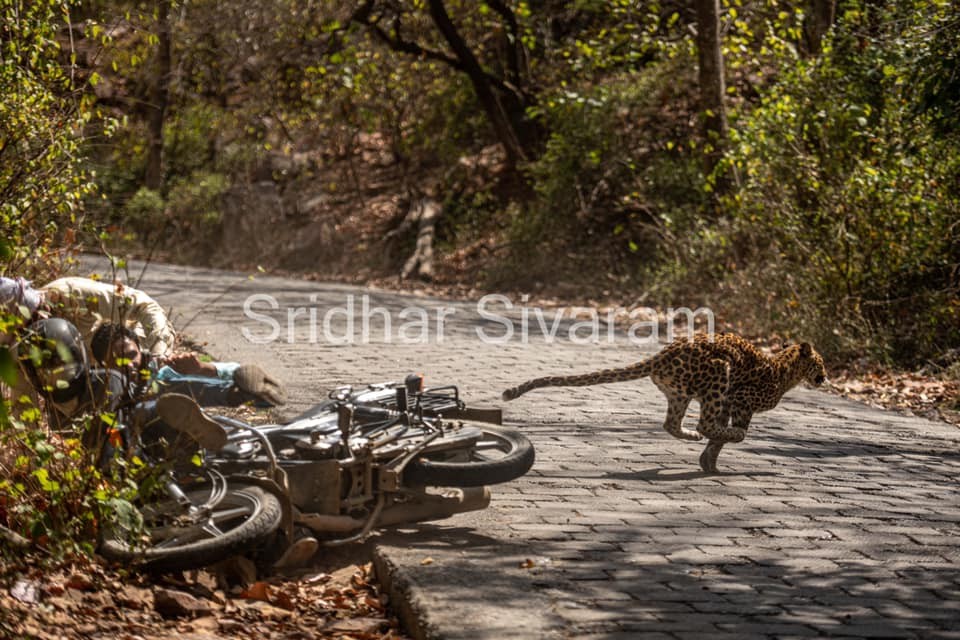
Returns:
(731,378)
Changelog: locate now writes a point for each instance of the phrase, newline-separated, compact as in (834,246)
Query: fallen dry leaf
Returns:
(257,591)
(79,582)
(361,625)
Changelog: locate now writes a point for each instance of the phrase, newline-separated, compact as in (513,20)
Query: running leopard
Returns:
(730,378)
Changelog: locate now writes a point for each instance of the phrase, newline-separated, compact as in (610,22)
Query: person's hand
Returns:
(188,363)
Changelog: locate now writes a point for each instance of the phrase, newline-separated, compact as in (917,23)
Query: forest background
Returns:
(791,164)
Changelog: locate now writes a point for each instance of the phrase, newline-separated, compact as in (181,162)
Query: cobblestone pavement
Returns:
(831,519)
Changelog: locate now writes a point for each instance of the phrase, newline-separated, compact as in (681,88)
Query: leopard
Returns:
(729,376)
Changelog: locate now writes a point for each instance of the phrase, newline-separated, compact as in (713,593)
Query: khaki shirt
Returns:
(86,302)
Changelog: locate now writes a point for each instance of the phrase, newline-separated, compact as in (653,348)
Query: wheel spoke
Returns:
(486,446)
(174,536)
(225,515)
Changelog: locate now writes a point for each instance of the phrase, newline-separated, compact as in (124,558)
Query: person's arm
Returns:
(81,300)
(147,312)
(190,364)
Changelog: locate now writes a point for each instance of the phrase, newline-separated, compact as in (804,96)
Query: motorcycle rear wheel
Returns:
(241,520)
(501,455)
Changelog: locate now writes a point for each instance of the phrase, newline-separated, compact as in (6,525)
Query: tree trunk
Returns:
(712,86)
(495,109)
(159,96)
(819,19)
(421,262)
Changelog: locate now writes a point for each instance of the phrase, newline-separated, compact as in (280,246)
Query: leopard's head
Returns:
(811,365)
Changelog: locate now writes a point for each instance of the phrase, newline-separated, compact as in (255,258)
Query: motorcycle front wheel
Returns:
(499,455)
(177,538)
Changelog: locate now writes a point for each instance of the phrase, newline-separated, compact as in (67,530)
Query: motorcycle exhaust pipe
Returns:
(430,507)
(329,524)
(437,507)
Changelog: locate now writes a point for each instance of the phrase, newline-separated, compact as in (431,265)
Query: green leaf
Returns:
(8,368)
(43,477)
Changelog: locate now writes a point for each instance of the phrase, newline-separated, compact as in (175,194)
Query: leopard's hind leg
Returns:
(677,404)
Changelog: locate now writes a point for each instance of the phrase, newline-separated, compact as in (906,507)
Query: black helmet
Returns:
(54,355)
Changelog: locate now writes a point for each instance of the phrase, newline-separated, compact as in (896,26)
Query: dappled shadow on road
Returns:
(436,536)
(638,585)
(816,448)
(658,474)
(830,533)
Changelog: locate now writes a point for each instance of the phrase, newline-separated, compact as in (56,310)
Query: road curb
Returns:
(454,583)
(404,602)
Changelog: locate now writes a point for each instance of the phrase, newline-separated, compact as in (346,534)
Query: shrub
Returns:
(843,229)
(613,177)
(144,211)
(195,201)
(42,180)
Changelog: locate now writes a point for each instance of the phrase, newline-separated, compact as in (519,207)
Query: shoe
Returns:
(298,553)
(253,380)
(183,414)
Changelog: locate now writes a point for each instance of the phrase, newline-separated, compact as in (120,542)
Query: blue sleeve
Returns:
(225,370)
(166,374)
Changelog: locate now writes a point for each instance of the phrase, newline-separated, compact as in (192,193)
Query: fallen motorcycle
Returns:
(385,455)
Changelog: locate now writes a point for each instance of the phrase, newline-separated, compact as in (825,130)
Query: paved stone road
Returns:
(831,520)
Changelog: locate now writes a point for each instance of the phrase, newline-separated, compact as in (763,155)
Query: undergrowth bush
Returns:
(50,491)
(844,226)
(55,489)
(612,166)
(42,178)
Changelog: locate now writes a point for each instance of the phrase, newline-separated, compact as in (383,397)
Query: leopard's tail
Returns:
(633,372)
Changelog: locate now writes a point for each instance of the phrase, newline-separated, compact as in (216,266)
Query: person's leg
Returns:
(234,385)
(207,391)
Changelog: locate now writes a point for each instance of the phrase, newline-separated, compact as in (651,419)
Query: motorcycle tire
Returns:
(442,470)
(244,518)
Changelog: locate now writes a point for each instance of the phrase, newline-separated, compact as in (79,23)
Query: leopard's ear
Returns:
(806,350)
